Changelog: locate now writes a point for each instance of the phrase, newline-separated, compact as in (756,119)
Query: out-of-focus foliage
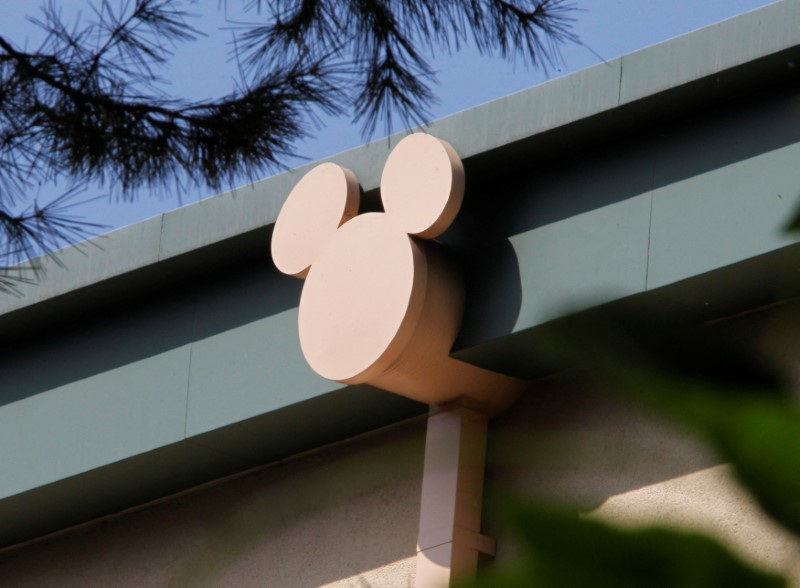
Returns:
(794,225)
(88,104)
(717,387)
(709,382)
(562,550)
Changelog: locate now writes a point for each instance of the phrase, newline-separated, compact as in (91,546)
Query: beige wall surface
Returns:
(348,515)
(345,516)
(580,448)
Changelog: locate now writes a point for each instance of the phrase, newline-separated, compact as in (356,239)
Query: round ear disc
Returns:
(322,200)
(422,185)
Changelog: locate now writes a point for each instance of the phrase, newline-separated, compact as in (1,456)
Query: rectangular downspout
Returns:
(450,542)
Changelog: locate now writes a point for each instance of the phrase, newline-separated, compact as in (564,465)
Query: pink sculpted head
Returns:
(380,304)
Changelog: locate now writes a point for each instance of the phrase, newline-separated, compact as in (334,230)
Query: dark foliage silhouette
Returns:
(86,104)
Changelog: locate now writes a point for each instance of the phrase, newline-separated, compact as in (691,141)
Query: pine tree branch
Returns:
(91,131)
(86,104)
(380,40)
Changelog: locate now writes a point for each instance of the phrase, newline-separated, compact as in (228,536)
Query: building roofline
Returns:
(709,65)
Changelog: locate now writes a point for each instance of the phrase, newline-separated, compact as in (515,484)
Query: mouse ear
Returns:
(323,199)
(422,185)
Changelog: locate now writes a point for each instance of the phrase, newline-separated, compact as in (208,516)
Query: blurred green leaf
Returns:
(709,380)
(794,225)
(626,340)
(758,435)
(562,550)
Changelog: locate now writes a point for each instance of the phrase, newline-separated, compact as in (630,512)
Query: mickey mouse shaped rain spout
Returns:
(382,303)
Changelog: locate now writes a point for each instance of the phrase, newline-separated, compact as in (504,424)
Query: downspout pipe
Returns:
(450,542)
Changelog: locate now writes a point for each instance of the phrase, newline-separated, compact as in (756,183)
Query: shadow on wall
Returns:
(528,190)
(499,203)
(490,268)
(167,319)
(575,446)
(326,517)
(532,190)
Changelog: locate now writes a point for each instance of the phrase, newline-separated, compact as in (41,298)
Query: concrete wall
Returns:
(345,516)
(348,515)
(586,450)
(196,381)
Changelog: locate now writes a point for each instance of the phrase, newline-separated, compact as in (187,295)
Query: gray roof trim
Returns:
(623,84)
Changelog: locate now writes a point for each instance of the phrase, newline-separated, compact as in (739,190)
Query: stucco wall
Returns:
(346,516)
(584,449)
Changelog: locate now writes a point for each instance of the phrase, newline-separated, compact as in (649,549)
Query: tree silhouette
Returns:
(86,104)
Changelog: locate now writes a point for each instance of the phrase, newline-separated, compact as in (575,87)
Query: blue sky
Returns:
(609,28)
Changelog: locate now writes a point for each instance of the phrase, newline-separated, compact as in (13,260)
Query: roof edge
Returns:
(635,85)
